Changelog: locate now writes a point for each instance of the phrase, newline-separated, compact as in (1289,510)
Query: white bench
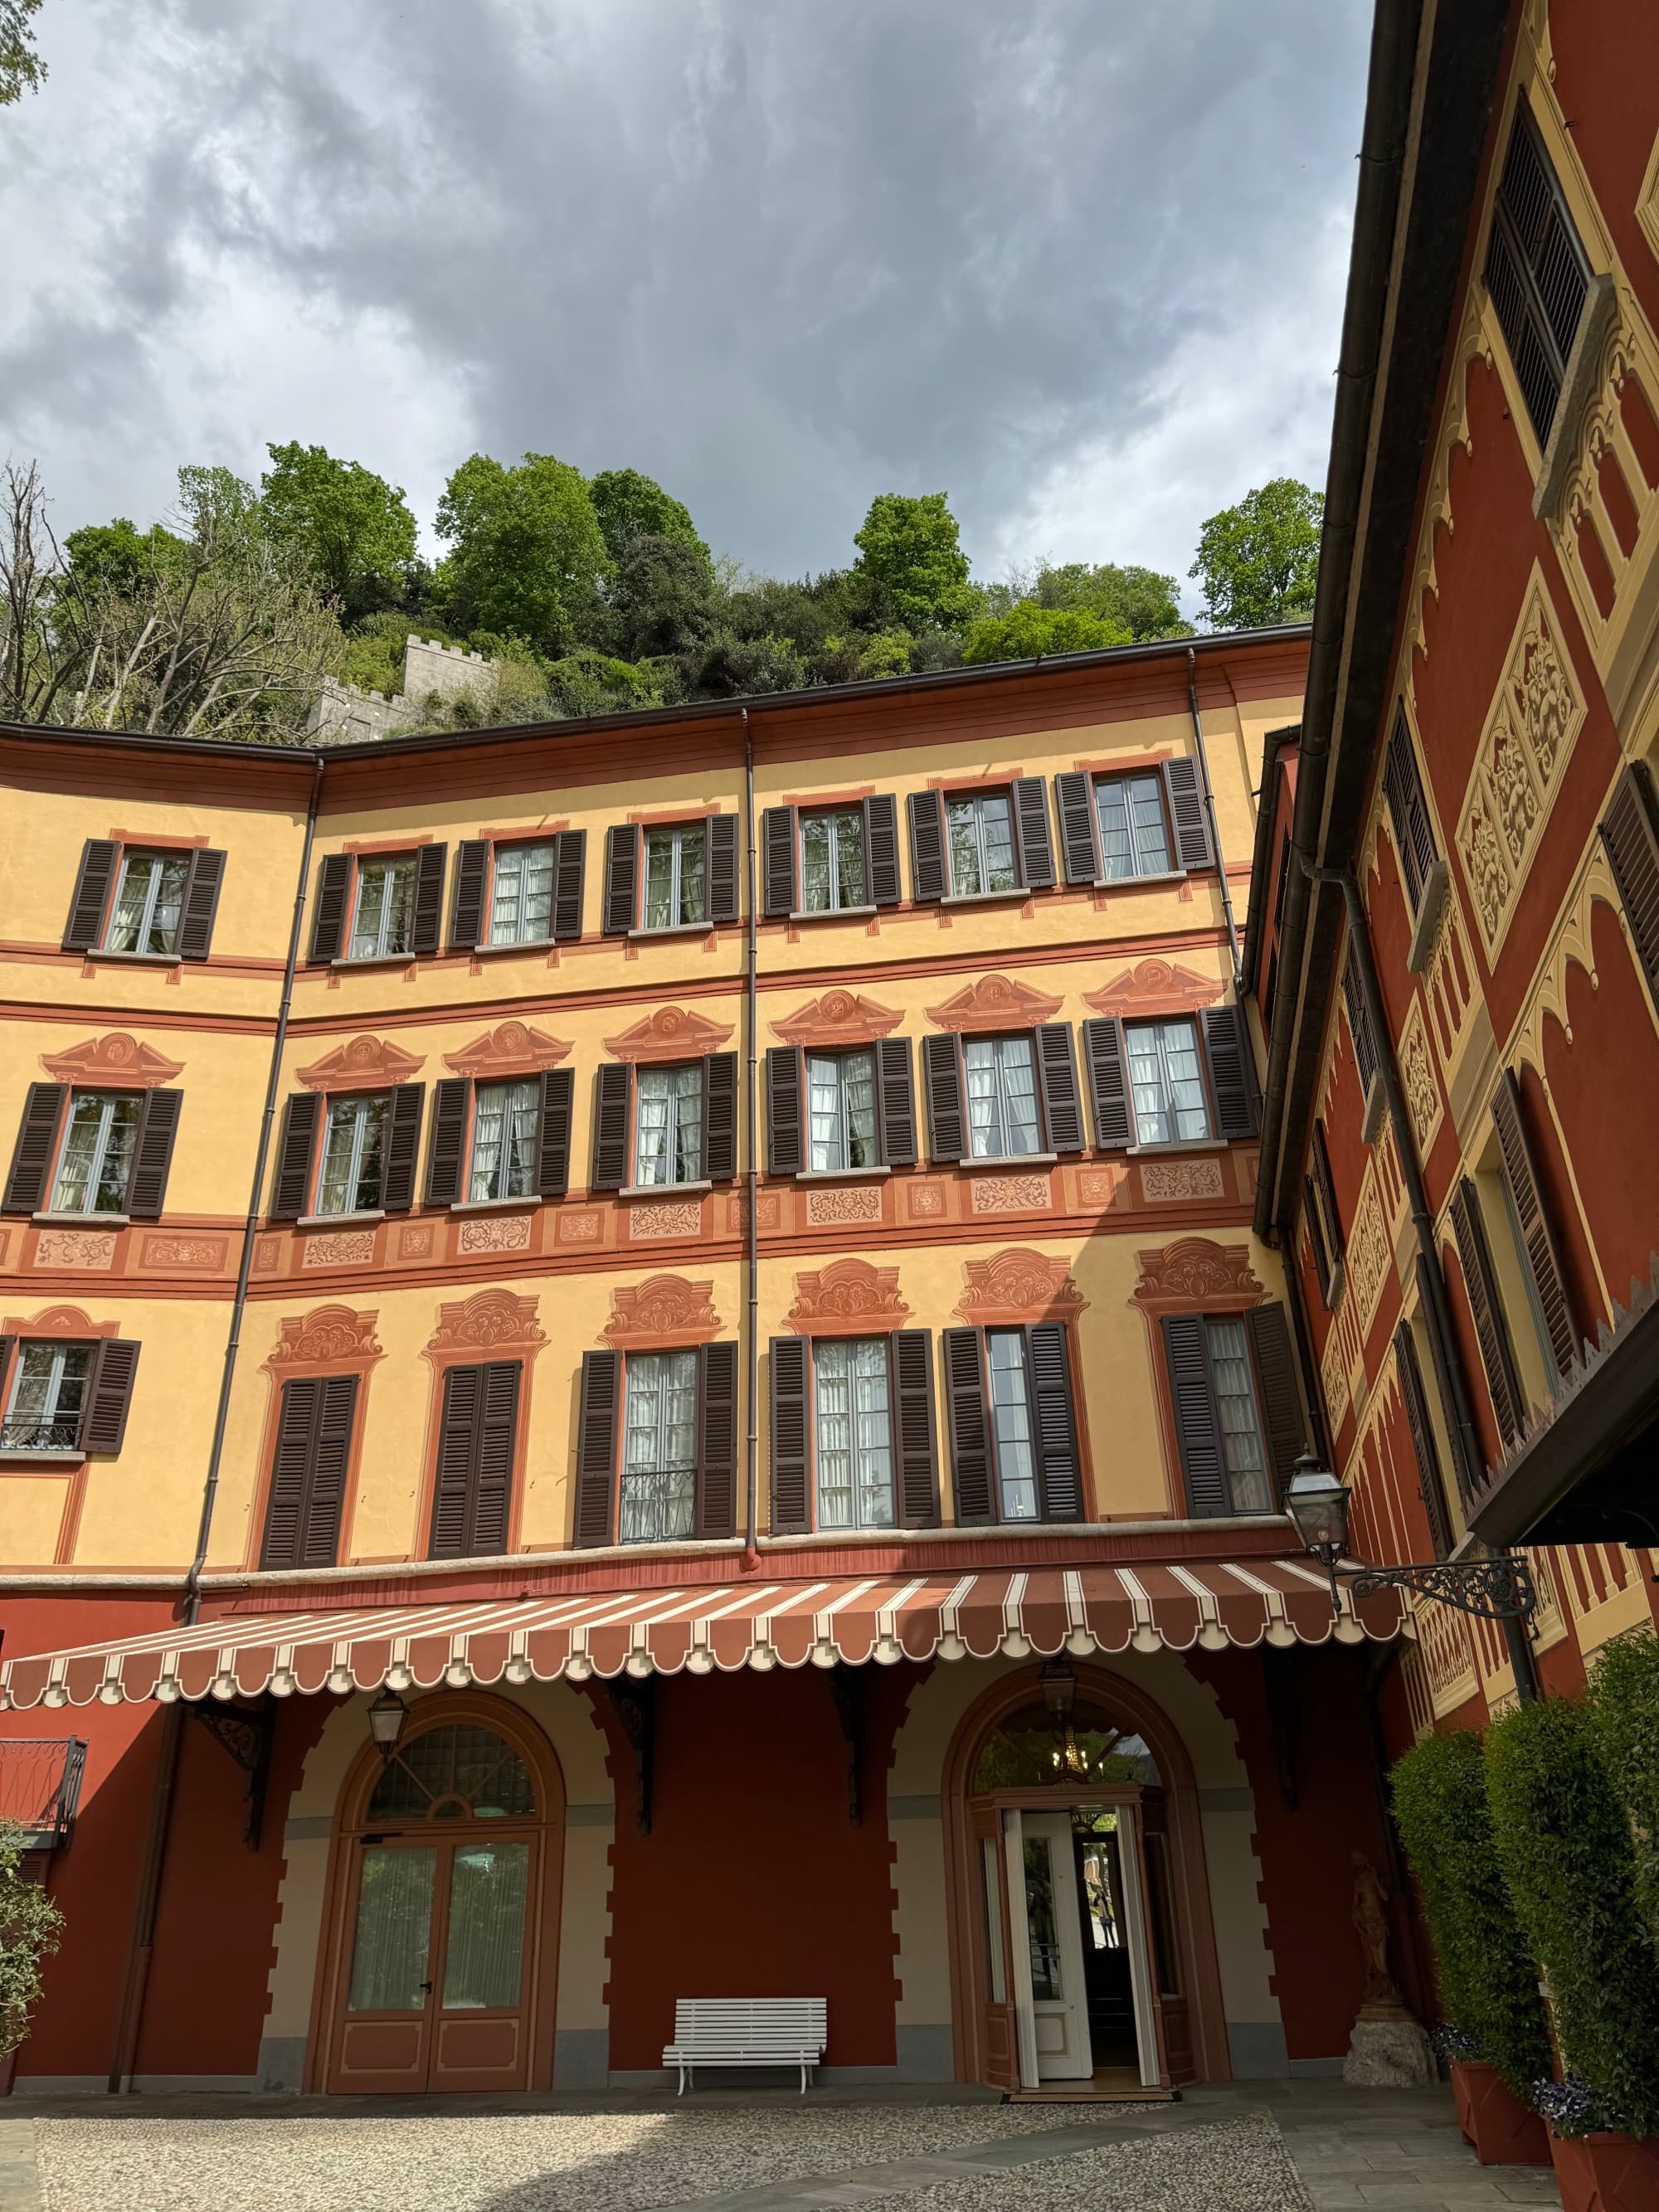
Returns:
(747,2032)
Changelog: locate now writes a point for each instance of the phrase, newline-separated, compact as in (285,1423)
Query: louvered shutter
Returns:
(784,1149)
(881,860)
(291,1472)
(613,1098)
(1631,834)
(294,1149)
(914,1451)
(1103,1046)
(947,1116)
(722,867)
(970,1428)
(715,1512)
(498,1444)
(466,912)
(1231,1078)
(152,1155)
(786,1367)
(896,1092)
(553,1119)
(1359,1024)
(1074,796)
(622,878)
(778,849)
(1268,1330)
(926,811)
(1416,1403)
(7,1345)
(1063,1108)
(569,884)
(1187,1357)
(1408,813)
(1537,1237)
(37,1142)
(1490,1329)
(109,1395)
(596,1448)
(324,1502)
(1317,1245)
(719,1116)
(450,1100)
(1192,832)
(427,921)
(1469,1474)
(1060,1466)
(478,1441)
(1036,852)
(328,915)
(200,903)
(84,929)
(403,1147)
(1327,1188)
(458,1439)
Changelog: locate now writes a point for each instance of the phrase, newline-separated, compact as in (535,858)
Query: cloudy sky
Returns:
(1078,263)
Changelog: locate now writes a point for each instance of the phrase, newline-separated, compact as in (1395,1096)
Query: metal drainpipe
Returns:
(1215,833)
(751,1442)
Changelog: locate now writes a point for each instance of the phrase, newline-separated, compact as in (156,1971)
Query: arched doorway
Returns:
(444,1884)
(1082,1944)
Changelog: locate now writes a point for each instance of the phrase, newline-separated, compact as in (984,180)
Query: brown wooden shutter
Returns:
(328,915)
(1284,1431)
(1037,851)
(596,1448)
(778,851)
(427,922)
(895,1091)
(1102,1048)
(1060,1465)
(1490,1329)
(109,1393)
(722,867)
(1192,832)
(947,1115)
(881,860)
(325,1505)
(1327,1188)
(926,811)
(613,1099)
(569,884)
(152,1155)
(553,1115)
(1359,1023)
(457,1444)
(970,1428)
(291,1472)
(1074,796)
(1537,1236)
(622,878)
(478,1441)
(1415,1398)
(84,929)
(1469,1475)
(1408,813)
(294,1149)
(403,1147)
(498,1444)
(200,903)
(786,1364)
(1317,1245)
(7,1345)
(466,912)
(1063,1108)
(914,1449)
(719,1116)
(1631,834)
(716,1510)
(1231,1077)
(1187,1356)
(37,1143)
(450,1100)
(785,1152)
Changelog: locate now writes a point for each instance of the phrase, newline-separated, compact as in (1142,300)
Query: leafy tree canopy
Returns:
(352,526)
(117,554)
(663,594)
(1137,599)
(1028,629)
(908,549)
(1258,562)
(629,506)
(21,68)
(527,548)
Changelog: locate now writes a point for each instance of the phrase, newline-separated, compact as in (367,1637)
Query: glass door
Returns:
(1048,1947)
(481,2023)
(384,2039)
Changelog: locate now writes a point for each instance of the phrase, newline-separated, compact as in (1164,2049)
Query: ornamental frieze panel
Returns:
(510,1048)
(1417,1078)
(1155,986)
(1018,1286)
(670,1033)
(663,1313)
(1370,1261)
(367,1063)
(117,1061)
(849,1298)
(839,1017)
(1196,1271)
(333,1336)
(489,1324)
(994,1002)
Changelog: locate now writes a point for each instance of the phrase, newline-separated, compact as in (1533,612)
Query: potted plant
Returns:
(1624,1703)
(1495,2041)
(1598,2167)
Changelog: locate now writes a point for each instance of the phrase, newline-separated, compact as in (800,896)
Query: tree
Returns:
(663,596)
(29,1926)
(351,527)
(630,506)
(1029,630)
(1259,561)
(21,68)
(908,549)
(528,549)
(1139,600)
(117,554)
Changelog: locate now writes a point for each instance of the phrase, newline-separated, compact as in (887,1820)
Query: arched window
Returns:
(458,1772)
(1030,1749)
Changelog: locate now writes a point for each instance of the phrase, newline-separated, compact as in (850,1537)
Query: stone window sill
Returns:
(676,929)
(376,960)
(832,914)
(136,959)
(515,944)
(664,1189)
(526,1204)
(1003,1162)
(81,1220)
(1170,1144)
(987,898)
(48,1455)
(365,1220)
(1426,929)
(842,1175)
(1140,883)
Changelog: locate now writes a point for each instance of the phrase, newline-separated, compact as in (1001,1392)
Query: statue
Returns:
(1371,1920)
(1389,2049)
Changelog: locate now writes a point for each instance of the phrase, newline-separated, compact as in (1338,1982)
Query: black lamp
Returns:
(386,1717)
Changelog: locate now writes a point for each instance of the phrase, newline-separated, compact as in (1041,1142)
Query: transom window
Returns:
(660,1450)
(521,894)
(1166,1076)
(1135,834)
(504,1122)
(676,876)
(1003,1118)
(980,827)
(668,1124)
(832,861)
(460,1773)
(841,1091)
(385,920)
(1011,1426)
(95,1164)
(48,1398)
(354,1154)
(852,1416)
(1237,1417)
(145,916)
(1030,1748)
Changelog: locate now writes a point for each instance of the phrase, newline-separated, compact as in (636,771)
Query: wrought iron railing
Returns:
(26,1432)
(657,1504)
(40,1786)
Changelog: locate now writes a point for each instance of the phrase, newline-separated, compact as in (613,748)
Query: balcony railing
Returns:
(657,1504)
(27,1432)
(41,1787)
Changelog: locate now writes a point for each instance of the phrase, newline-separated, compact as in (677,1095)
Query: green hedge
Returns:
(1488,1978)
(1624,1702)
(1565,1845)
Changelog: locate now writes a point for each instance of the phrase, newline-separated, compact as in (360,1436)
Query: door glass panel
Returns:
(1040,1920)
(394,1927)
(1102,1890)
(484,1954)
(993,1921)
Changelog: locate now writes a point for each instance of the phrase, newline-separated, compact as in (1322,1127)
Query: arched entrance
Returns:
(440,1966)
(1082,1948)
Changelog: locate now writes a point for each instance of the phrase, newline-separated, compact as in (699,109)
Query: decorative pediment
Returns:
(849,1298)
(510,1048)
(661,1314)
(1018,1286)
(328,1336)
(1197,1272)
(838,1017)
(112,1061)
(59,1321)
(1156,986)
(994,1002)
(491,1322)
(367,1063)
(672,1033)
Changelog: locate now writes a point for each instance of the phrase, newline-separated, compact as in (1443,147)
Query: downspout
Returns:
(1215,833)
(751,1179)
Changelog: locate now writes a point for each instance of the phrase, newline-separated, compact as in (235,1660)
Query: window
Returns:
(668,1124)
(1003,1120)
(1235,1416)
(48,1398)
(521,894)
(676,876)
(841,1091)
(384,919)
(147,903)
(1166,1078)
(1134,834)
(354,1154)
(1536,273)
(659,1451)
(980,827)
(95,1166)
(1239,1414)
(1408,813)
(505,1121)
(1011,1425)
(832,861)
(852,1420)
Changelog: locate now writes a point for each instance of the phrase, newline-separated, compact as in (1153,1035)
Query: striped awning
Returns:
(1039,1613)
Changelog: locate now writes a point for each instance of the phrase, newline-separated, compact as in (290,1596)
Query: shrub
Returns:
(1624,1702)
(1488,1978)
(29,1923)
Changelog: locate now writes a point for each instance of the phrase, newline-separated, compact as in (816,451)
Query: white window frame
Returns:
(976,802)
(1169,1111)
(1124,780)
(684,1079)
(56,1356)
(676,833)
(867,1505)
(670,1514)
(841,1140)
(361,1102)
(1006,1484)
(107,1101)
(1003,1129)
(527,1101)
(1252,1396)
(157,860)
(513,859)
(837,820)
(381,949)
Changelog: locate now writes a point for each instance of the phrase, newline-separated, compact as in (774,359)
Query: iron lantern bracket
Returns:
(1498,1587)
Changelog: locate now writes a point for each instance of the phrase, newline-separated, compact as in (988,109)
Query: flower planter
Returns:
(1500,2129)
(1605,2173)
